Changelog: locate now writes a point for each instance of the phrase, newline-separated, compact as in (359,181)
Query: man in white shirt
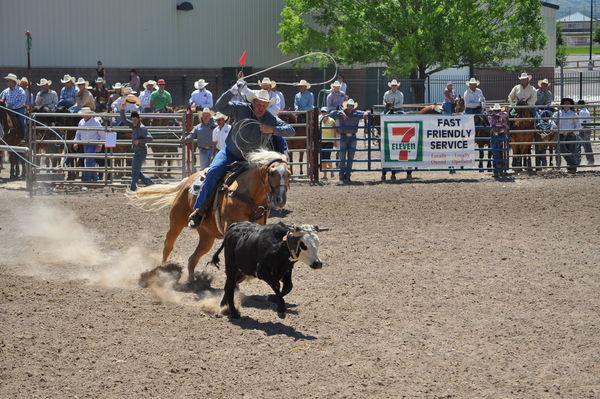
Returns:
(280,95)
(201,98)
(149,88)
(584,136)
(221,132)
(474,99)
(393,96)
(89,135)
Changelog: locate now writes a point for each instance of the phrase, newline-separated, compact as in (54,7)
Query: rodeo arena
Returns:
(236,222)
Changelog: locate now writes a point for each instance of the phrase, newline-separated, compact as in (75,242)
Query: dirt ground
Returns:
(447,286)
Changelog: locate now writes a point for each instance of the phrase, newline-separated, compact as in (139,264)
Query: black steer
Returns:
(268,253)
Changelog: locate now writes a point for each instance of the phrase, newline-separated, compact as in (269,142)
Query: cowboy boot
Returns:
(197,216)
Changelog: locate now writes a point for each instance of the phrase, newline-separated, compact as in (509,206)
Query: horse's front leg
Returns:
(205,243)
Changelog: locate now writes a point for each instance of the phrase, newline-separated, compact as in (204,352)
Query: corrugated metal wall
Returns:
(136,33)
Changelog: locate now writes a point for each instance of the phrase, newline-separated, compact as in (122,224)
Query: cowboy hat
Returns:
(24,79)
(127,90)
(81,81)
(117,86)
(150,82)
(524,75)
(44,82)
(131,99)
(394,82)
(497,107)
(205,110)
(12,76)
(336,84)
(261,95)
(200,84)
(472,81)
(545,80)
(324,109)
(99,80)
(303,82)
(85,110)
(67,78)
(267,81)
(350,102)
(221,116)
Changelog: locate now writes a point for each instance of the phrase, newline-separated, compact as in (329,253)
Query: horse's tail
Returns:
(215,259)
(156,196)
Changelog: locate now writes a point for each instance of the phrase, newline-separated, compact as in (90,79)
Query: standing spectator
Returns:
(24,83)
(201,98)
(279,94)
(474,99)
(499,126)
(89,135)
(160,98)
(544,95)
(449,98)
(343,85)
(220,133)
(145,96)
(336,97)
(203,134)
(101,95)
(348,119)
(100,72)
(68,94)
(14,97)
(393,96)
(116,94)
(585,134)
(268,85)
(83,98)
(46,99)
(139,138)
(134,80)
(568,128)
(328,134)
(304,99)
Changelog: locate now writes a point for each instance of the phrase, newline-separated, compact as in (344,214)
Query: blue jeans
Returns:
(205,155)
(346,154)
(448,107)
(215,173)
(497,146)
(568,148)
(584,135)
(89,163)
(64,103)
(472,111)
(136,169)
(74,109)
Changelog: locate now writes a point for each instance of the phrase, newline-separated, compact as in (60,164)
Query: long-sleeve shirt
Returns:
(85,99)
(394,97)
(520,93)
(69,94)
(586,117)
(281,99)
(498,123)
(139,133)
(335,99)
(145,99)
(347,126)
(89,135)
(202,98)
(15,97)
(304,101)
(203,134)
(47,98)
(567,122)
(101,98)
(116,105)
(474,99)
(245,136)
(219,135)
(544,97)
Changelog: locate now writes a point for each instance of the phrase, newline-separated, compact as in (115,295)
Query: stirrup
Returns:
(195,219)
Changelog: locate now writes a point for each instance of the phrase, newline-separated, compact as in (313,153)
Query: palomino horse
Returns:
(522,134)
(13,136)
(263,185)
(459,107)
(546,136)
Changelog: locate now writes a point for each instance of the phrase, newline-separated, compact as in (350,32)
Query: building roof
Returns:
(576,17)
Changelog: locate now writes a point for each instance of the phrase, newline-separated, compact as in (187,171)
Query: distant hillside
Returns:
(568,7)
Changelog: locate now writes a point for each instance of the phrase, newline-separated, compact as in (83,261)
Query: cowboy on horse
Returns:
(253,129)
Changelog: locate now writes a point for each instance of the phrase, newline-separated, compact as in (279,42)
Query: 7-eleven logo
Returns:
(406,133)
(403,141)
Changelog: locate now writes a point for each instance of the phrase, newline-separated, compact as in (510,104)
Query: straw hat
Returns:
(221,116)
(24,79)
(472,81)
(350,102)
(131,99)
(267,81)
(200,84)
(44,82)
(545,80)
(524,75)
(12,76)
(394,82)
(100,80)
(205,110)
(117,86)
(150,82)
(336,84)
(85,110)
(261,95)
(67,78)
(303,82)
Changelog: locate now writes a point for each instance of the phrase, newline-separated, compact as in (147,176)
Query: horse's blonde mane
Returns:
(262,157)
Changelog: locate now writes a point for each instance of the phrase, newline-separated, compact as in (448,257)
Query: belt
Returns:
(205,148)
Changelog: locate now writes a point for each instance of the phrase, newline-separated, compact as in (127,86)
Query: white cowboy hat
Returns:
(221,116)
(524,75)
(85,110)
(350,102)
(67,78)
(200,84)
(100,80)
(82,81)
(472,81)
(545,80)
(12,76)
(131,99)
(303,82)
(261,95)
(267,81)
(117,85)
(150,82)
(127,90)
(44,82)
(394,82)
(336,84)
(497,107)
(205,110)
(24,79)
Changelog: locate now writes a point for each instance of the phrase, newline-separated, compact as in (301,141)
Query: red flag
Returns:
(243,59)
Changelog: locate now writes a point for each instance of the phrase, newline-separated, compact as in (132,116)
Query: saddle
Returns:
(233,172)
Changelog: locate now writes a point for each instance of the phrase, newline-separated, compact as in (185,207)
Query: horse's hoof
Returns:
(281,315)
(234,315)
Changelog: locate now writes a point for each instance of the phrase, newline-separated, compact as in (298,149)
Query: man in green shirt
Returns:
(160,98)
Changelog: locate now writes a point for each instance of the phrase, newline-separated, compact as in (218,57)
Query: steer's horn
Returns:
(319,229)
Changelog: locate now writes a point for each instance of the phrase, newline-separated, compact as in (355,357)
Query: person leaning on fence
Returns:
(544,95)
(304,100)
(348,119)
(68,94)
(328,135)
(149,87)
(14,97)
(584,134)
(220,133)
(161,98)
(336,97)
(89,135)
(394,96)
(498,121)
(201,98)
(474,99)
(449,98)
(203,135)
(567,123)
(254,127)
(523,92)
(46,99)
(139,139)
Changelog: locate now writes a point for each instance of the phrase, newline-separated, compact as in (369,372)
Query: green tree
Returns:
(596,35)
(561,50)
(415,37)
